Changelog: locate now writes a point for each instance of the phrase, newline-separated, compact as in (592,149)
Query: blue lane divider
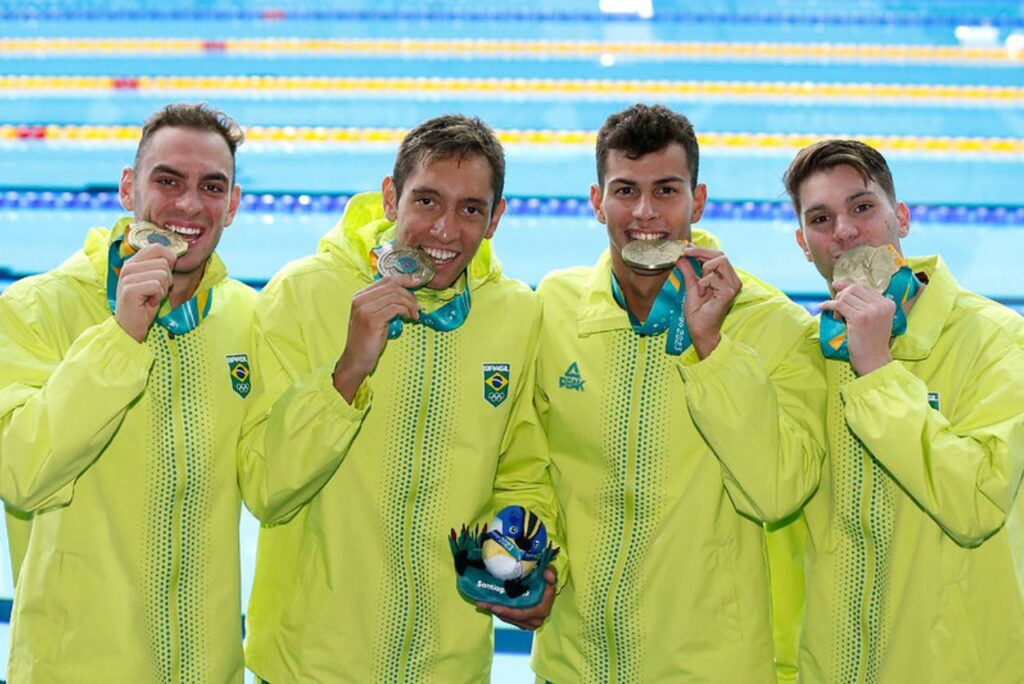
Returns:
(568,207)
(1002,20)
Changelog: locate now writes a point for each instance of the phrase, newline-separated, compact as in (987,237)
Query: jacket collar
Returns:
(931,310)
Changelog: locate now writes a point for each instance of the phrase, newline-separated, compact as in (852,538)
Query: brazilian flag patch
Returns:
(241,376)
(496,382)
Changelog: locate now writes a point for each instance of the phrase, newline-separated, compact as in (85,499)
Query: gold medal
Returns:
(143,233)
(401,261)
(653,255)
(871,266)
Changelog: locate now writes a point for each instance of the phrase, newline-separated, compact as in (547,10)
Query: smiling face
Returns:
(183,182)
(840,210)
(445,209)
(646,198)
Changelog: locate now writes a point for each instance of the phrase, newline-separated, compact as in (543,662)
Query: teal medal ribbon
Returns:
(179,320)
(445,319)
(666,312)
(832,328)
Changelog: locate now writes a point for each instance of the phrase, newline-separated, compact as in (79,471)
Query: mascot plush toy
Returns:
(504,562)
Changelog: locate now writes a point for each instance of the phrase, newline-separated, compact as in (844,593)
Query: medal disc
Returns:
(401,261)
(653,255)
(143,233)
(871,266)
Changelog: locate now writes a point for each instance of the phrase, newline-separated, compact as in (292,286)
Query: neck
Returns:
(640,291)
(184,286)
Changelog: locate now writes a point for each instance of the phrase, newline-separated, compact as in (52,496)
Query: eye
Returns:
(623,191)
(165,181)
(862,207)
(216,189)
(667,190)
(817,220)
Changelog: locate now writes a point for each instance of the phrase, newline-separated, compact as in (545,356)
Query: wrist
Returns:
(347,379)
(706,344)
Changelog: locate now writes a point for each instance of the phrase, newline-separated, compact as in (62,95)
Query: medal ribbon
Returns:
(666,312)
(445,319)
(179,320)
(832,328)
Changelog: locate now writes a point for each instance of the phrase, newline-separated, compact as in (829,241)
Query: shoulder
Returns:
(565,282)
(310,274)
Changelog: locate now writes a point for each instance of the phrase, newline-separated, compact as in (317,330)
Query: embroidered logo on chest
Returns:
(497,379)
(241,376)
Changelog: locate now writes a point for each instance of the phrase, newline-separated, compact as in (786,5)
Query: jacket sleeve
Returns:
(523,477)
(60,408)
(764,424)
(965,470)
(299,428)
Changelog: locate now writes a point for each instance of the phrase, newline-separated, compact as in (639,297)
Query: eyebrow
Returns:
(659,181)
(852,198)
(171,171)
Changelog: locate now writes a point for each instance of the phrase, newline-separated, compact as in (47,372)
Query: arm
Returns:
(300,427)
(964,470)
(59,408)
(765,424)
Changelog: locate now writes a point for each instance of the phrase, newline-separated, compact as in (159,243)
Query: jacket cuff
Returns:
(693,368)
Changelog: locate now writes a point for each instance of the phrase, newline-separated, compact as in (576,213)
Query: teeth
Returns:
(183,230)
(440,254)
(635,235)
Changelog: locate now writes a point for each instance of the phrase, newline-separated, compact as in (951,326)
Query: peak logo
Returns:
(571,378)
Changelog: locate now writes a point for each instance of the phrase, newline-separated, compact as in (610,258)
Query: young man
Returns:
(666,456)
(425,398)
(123,388)
(915,555)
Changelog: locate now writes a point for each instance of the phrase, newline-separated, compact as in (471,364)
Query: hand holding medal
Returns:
(145,279)
(871,285)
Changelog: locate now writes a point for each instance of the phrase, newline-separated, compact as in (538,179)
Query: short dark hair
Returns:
(828,154)
(642,129)
(447,136)
(198,117)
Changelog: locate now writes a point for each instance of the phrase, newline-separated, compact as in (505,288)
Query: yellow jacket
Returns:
(664,467)
(915,559)
(359,585)
(124,454)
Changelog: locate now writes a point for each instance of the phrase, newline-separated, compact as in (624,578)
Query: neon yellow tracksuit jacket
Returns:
(664,467)
(915,559)
(125,456)
(359,586)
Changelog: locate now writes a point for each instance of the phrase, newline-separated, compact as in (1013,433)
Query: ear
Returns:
(700,198)
(387,187)
(126,188)
(236,200)
(495,217)
(596,199)
(903,216)
(803,243)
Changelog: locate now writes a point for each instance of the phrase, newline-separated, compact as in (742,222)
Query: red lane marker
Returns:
(274,15)
(215,45)
(125,83)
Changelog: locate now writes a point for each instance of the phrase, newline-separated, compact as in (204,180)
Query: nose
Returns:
(846,227)
(644,209)
(189,202)
(444,227)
